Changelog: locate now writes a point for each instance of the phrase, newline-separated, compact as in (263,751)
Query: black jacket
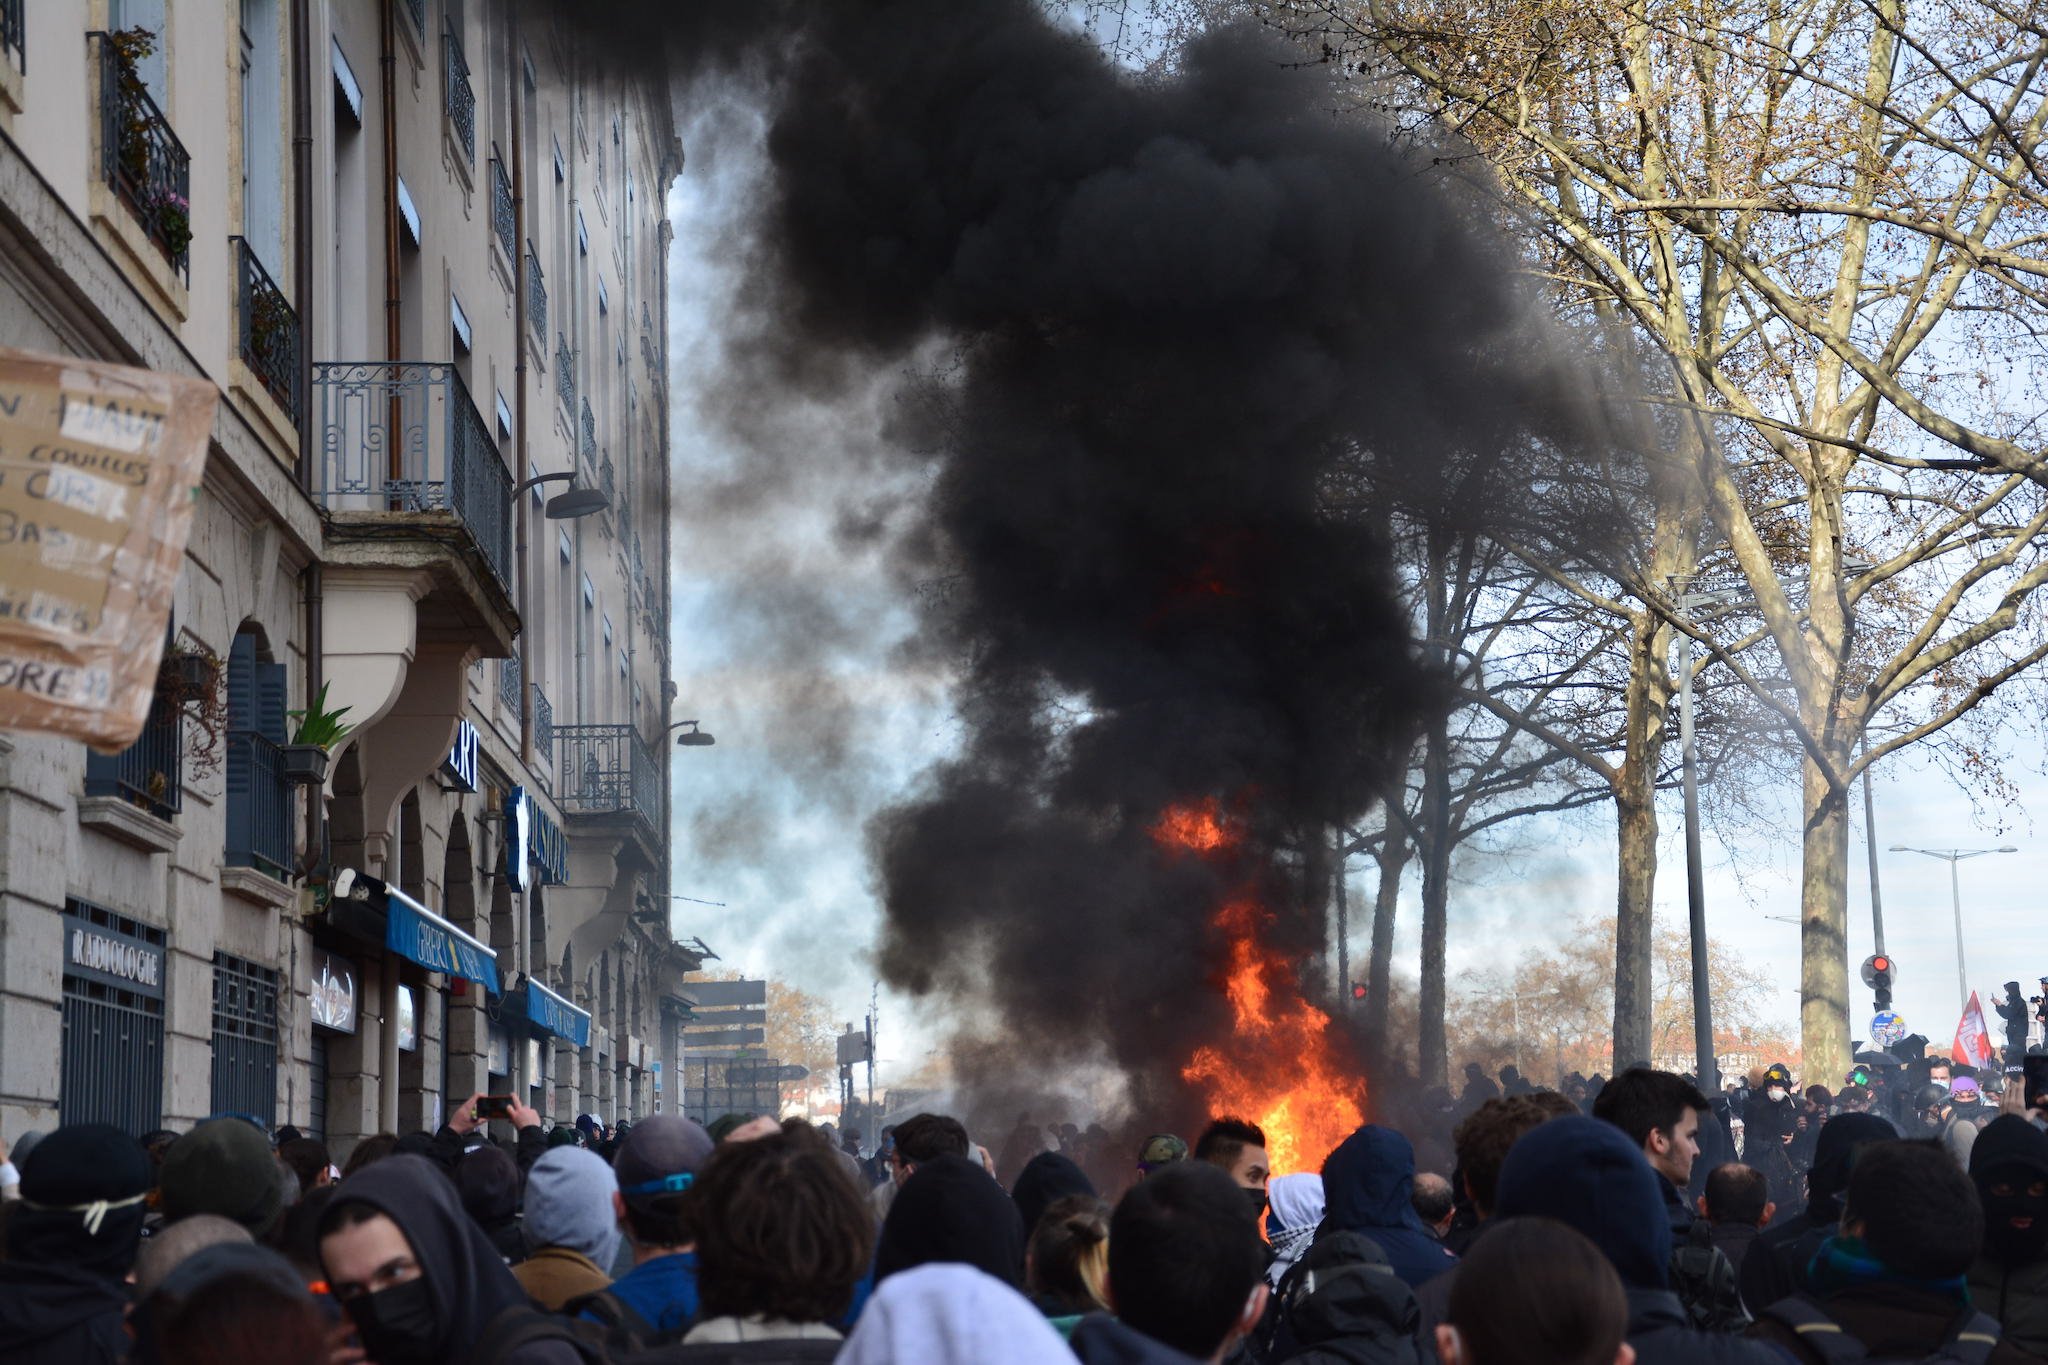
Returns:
(1342,1304)
(1100,1339)
(54,1314)
(1775,1266)
(1660,1334)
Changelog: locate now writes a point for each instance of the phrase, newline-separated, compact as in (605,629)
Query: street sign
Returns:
(1887,1027)
(732,1037)
(719,994)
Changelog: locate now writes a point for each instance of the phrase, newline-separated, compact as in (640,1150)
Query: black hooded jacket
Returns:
(62,1286)
(1045,1180)
(1368,1187)
(1342,1304)
(1775,1267)
(952,1210)
(60,1315)
(2010,1279)
(466,1278)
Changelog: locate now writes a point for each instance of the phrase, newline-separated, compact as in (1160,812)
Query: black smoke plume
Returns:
(1209,341)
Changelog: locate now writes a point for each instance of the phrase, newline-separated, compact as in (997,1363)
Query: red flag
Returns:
(1973,1038)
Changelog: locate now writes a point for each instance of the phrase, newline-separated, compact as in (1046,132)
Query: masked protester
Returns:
(1368,1187)
(2009,1166)
(421,1282)
(70,1239)
(1770,1127)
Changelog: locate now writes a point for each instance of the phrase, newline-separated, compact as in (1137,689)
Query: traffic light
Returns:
(1358,990)
(1877,974)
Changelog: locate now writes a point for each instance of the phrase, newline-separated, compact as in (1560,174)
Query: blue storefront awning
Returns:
(551,1012)
(419,935)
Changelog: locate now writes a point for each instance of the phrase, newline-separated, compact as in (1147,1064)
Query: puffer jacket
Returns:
(1342,1304)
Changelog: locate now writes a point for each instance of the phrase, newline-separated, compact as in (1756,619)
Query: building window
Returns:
(113,1049)
(259,806)
(244,1039)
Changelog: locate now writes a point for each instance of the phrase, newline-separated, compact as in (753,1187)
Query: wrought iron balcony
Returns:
(259,806)
(511,676)
(586,448)
(407,439)
(536,296)
(605,480)
(148,773)
(565,373)
(461,99)
(418,10)
(603,769)
(501,210)
(543,721)
(14,32)
(141,158)
(270,329)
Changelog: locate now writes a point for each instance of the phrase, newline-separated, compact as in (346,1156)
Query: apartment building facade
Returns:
(420,247)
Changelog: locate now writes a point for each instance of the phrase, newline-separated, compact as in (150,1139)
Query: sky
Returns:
(789,642)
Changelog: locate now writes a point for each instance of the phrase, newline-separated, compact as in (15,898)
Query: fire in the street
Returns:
(1282,1068)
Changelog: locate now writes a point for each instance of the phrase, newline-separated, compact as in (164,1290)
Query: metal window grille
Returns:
(461,98)
(586,449)
(270,329)
(418,10)
(113,1049)
(142,159)
(510,674)
(565,373)
(407,438)
(543,720)
(607,479)
(260,823)
(150,772)
(536,295)
(14,32)
(244,1039)
(501,210)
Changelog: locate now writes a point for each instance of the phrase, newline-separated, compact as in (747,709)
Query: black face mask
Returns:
(2007,1243)
(1257,1199)
(397,1325)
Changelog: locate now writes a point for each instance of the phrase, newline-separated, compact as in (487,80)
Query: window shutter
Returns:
(271,695)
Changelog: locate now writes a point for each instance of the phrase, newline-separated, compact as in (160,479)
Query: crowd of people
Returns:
(1635,1219)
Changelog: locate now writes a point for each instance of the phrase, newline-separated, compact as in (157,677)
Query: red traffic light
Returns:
(1880,964)
(1358,990)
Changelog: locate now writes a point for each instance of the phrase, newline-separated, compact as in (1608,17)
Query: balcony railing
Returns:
(501,210)
(586,448)
(510,681)
(142,159)
(259,806)
(407,439)
(543,721)
(536,296)
(270,329)
(14,33)
(565,373)
(461,99)
(418,10)
(605,480)
(148,773)
(600,769)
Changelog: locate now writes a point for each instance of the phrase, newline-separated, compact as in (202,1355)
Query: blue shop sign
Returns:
(462,762)
(556,1015)
(533,840)
(419,935)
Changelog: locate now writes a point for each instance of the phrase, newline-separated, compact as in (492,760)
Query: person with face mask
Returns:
(421,1282)
(2009,1280)
(1238,1147)
(1770,1129)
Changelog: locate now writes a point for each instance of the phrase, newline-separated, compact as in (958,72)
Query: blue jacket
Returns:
(1368,1183)
(663,1290)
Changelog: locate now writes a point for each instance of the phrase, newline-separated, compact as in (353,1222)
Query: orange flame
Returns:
(1283,1070)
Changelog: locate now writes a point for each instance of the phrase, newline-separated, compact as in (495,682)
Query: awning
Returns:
(551,1012)
(419,935)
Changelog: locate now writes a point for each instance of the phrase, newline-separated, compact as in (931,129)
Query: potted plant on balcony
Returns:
(319,730)
(191,682)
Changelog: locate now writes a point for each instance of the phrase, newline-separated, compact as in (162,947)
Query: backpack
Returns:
(523,1324)
(1704,1279)
(1969,1342)
(1343,1268)
(620,1326)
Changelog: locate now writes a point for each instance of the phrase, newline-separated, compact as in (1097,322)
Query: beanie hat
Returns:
(82,1193)
(223,1166)
(1590,1177)
(569,1204)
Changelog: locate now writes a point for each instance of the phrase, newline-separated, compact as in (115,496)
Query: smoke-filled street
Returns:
(1021,680)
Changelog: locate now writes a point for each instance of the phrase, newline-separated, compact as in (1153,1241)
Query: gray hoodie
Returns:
(569,1204)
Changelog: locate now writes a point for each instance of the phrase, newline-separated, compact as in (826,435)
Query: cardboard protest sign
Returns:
(99,471)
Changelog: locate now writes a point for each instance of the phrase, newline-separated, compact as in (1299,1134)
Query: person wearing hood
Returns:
(944,1314)
(951,1209)
(2009,1279)
(1294,1212)
(1186,1272)
(487,1181)
(1892,1279)
(1775,1266)
(570,1226)
(1586,1174)
(1368,1187)
(71,1239)
(223,1166)
(1045,1180)
(417,1277)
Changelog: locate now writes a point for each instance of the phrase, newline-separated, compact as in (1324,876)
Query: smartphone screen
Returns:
(494,1107)
(2035,1071)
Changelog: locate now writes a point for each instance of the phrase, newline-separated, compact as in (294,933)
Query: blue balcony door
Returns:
(259,813)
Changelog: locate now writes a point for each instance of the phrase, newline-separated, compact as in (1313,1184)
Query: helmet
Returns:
(1777,1073)
(1929,1096)
(1858,1075)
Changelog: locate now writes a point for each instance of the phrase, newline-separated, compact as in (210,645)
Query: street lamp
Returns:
(1952,856)
(575,502)
(692,737)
